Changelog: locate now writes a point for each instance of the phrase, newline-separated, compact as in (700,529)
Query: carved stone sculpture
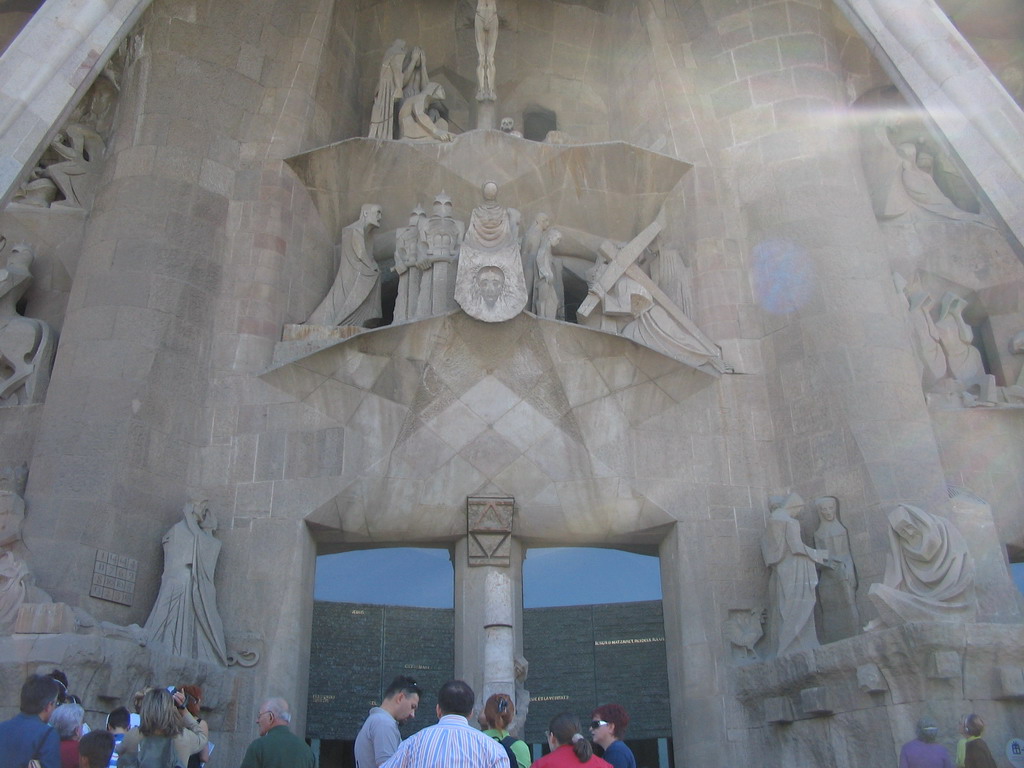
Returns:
(926,340)
(962,357)
(13,586)
(354,298)
(546,298)
(744,628)
(27,345)
(508,125)
(837,584)
(407,258)
(531,244)
(423,116)
(72,164)
(485,24)
(418,120)
(1015,392)
(81,150)
(16,584)
(440,237)
(185,616)
(929,574)
(402,74)
(793,578)
(490,285)
(634,305)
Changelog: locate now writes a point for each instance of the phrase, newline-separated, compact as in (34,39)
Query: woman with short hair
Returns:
(67,720)
(607,728)
(568,746)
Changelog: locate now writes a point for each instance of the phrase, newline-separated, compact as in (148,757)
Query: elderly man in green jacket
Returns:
(277,747)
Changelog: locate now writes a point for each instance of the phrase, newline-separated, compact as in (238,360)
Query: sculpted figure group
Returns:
(929,576)
(406,104)
(442,263)
(950,362)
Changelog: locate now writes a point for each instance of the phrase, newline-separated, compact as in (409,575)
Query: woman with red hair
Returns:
(607,727)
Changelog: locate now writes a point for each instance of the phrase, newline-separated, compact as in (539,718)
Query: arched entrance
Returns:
(579,432)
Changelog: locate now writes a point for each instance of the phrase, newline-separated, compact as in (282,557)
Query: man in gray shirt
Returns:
(379,738)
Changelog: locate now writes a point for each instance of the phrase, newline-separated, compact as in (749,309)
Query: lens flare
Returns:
(783,276)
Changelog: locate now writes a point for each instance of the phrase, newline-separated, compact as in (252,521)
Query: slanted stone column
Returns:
(933,65)
(48,68)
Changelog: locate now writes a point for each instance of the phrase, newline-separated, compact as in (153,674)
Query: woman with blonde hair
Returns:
(568,746)
(164,716)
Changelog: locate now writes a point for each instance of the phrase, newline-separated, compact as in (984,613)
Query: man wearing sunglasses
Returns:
(379,737)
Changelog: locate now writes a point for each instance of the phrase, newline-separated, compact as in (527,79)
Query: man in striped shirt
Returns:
(453,742)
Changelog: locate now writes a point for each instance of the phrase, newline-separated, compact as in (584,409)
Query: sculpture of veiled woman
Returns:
(185,616)
(837,586)
(929,575)
(793,578)
(402,75)
(492,240)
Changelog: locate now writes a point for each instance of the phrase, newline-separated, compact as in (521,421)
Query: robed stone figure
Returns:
(793,577)
(490,285)
(185,616)
(354,298)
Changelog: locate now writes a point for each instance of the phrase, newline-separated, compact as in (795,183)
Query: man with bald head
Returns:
(277,746)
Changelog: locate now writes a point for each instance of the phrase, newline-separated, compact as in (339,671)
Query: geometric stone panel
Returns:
(113,577)
(489,524)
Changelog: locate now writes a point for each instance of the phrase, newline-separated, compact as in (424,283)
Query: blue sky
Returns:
(424,577)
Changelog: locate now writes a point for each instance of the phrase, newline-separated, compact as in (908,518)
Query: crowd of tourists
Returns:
(166,729)
(454,742)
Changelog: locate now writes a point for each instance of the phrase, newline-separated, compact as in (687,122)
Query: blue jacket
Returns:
(25,737)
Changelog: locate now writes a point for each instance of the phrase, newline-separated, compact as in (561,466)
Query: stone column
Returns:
(488,618)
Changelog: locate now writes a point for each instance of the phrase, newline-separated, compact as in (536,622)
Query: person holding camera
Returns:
(163,717)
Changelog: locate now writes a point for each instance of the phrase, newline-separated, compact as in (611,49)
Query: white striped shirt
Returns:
(452,743)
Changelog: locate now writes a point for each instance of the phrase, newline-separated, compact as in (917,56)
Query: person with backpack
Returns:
(498,714)
(167,735)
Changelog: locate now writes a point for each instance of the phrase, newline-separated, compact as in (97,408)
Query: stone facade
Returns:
(803,213)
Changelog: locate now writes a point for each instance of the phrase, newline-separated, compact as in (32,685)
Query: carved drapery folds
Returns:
(27,345)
